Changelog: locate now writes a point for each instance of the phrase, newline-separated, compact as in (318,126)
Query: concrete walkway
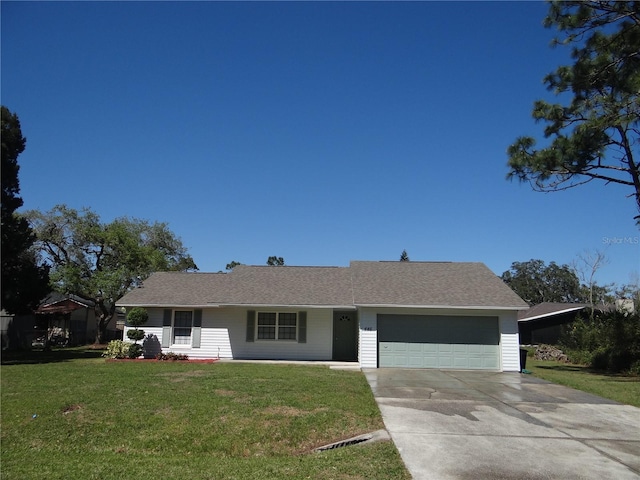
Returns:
(485,425)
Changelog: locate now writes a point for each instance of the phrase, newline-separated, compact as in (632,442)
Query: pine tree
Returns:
(596,135)
(24,282)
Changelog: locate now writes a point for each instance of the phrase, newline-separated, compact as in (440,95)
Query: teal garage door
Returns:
(428,341)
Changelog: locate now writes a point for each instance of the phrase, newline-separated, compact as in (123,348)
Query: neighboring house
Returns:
(380,314)
(66,319)
(59,320)
(543,323)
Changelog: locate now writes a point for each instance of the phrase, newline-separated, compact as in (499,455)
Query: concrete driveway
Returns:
(487,425)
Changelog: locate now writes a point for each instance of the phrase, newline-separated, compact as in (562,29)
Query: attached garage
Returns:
(434,341)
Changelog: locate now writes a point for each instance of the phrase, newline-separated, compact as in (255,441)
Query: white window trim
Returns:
(173,327)
(277,313)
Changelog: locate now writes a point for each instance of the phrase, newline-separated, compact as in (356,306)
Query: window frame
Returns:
(278,334)
(173,329)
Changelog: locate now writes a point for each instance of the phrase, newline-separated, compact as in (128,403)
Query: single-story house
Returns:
(60,319)
(71,320)
(456,315)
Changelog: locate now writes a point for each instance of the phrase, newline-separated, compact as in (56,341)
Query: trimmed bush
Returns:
(135,350)
(135,335)
(136,317)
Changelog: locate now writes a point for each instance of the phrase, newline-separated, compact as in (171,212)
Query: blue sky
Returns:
(319,132)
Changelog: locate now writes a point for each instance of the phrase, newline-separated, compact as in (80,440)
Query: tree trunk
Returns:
(100,333)
(104,315)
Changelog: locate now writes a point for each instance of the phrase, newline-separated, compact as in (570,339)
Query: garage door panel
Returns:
(461,362)
(445,349)
(400,362)
(400,347)
(460,349)
(430,348)
(438,342)
(416,361)
(490,363)
(429,356)
(445,361)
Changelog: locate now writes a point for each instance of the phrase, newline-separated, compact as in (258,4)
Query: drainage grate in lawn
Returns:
(367,437)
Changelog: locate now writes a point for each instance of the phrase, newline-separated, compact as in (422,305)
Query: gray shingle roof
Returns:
(268,285)
(363,283)
(175,289)
(459,284)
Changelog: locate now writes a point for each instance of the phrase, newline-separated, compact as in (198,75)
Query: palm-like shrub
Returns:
(136,317)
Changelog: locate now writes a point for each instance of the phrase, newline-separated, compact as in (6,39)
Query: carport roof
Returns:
(549,309)
(433,284)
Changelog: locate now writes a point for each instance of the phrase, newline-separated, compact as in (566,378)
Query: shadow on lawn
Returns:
(565,368)
(618,377)
(26,357)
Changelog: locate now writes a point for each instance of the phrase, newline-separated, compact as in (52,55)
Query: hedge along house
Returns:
(380,314)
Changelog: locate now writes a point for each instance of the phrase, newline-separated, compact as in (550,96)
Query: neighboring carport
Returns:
(543,323)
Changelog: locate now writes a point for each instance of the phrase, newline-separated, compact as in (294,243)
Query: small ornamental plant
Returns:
(117,349)
(163,357)
(136,317)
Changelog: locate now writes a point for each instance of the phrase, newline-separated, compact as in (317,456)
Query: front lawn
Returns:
(84,418)
(618,387)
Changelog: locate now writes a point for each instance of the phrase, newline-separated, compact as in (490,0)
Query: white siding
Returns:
(215,338)
(317,347)
(152,328)
(368,339)
(510,342)
(223,335)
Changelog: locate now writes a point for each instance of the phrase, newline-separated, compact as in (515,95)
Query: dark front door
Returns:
(345,336)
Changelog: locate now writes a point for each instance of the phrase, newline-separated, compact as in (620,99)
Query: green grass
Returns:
(618,387)
(99,420)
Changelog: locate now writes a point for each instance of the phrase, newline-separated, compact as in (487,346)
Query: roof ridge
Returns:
(417,261)
(189,273)
(293,266)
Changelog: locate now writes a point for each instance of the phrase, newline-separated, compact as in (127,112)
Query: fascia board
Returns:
(551,314)
(165,305)
(66,300)
(441,307)
(272,305)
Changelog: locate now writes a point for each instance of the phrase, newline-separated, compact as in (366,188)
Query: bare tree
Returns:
(586,267)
